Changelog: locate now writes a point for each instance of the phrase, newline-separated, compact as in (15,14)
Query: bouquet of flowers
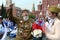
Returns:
(37,29)
(37,33)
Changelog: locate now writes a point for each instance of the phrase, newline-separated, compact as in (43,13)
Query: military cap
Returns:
(54,9)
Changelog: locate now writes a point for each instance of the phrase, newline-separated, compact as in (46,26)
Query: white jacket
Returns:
(54,33)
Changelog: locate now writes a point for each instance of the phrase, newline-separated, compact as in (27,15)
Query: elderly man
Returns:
(25,27)
(53,27)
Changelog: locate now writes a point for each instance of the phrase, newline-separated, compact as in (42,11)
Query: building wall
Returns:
(8,3)
(47,3)
(14,11)
(39,7)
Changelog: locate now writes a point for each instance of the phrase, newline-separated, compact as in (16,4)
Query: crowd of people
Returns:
(7,28)
(41,28)
(51,27)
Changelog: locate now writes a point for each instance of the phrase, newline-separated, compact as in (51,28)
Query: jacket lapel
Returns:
(55,20)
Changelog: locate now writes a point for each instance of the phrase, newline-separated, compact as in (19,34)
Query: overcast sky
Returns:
(23,4)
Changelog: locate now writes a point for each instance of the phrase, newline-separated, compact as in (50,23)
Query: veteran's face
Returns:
(25,16)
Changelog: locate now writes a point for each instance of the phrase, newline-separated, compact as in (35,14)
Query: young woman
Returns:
(53,27)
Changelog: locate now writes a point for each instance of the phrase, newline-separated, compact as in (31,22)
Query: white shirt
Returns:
(49,25)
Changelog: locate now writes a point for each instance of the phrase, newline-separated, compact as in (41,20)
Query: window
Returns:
(58,5)
(40,13)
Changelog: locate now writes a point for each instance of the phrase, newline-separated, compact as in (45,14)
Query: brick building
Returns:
(43,6)
(16,10)
(46,3)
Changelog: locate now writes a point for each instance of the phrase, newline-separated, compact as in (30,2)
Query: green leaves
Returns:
(3,12)
(31,16)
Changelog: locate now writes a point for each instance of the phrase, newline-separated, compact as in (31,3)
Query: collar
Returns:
(56,19)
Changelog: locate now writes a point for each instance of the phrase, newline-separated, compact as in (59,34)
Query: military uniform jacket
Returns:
(25,30)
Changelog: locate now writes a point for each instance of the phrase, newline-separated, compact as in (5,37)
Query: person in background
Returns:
(8,24)
(53,28)
(13,29)
(3,29)
(5,21)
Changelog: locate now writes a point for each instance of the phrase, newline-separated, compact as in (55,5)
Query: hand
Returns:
(45,31)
